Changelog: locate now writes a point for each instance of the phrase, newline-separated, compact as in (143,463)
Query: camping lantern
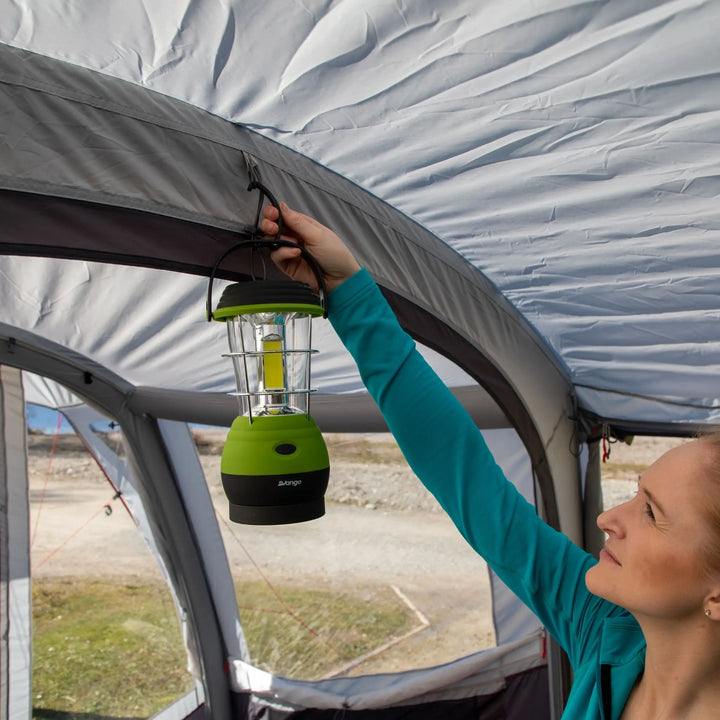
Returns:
(274,464)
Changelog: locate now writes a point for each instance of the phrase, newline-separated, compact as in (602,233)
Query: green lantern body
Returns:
(274,465)
(275,470)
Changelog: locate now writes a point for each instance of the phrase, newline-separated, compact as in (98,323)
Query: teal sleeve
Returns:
(449,455)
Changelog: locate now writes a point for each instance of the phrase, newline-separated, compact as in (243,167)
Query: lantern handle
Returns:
(269,245)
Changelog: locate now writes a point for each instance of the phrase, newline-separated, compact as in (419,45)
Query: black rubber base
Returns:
(277,514)
(276,499)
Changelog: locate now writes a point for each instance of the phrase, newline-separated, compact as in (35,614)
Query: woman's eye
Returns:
(649,511)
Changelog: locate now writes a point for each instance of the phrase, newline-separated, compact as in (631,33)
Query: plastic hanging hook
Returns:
(256,184)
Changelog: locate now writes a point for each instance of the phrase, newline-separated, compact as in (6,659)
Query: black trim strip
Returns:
(54,227)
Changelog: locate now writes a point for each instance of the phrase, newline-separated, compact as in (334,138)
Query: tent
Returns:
(533,185)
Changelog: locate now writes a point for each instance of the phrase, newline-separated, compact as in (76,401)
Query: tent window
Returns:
(106,636)
(383,582)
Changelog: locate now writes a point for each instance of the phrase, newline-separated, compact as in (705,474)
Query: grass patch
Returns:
(105,648)
(322,631)
(110,649)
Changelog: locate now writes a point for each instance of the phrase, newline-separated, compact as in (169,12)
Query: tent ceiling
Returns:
(562,153)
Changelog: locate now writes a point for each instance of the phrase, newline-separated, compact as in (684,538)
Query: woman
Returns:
(641,626)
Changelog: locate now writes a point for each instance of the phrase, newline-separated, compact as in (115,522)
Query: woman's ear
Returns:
(711,606)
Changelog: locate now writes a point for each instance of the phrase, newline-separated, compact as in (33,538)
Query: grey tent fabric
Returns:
(533,185)
(507,341)
(570,132)
(15,615)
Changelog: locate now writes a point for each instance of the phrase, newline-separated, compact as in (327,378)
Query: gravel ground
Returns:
(366,471)
(385,482)
(370,472)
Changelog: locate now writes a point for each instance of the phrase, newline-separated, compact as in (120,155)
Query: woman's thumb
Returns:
(302,225)
(289,216)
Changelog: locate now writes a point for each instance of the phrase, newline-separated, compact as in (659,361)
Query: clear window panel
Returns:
(383,582)
(106,636)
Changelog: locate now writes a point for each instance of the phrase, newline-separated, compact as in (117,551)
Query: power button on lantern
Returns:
(285,449)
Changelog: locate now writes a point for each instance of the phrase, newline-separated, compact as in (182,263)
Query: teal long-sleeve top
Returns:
(447,452)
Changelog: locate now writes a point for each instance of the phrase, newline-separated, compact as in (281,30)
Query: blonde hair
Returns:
(710,510)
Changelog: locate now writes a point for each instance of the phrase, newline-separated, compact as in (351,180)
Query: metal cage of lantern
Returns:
(272,307)
(287,389)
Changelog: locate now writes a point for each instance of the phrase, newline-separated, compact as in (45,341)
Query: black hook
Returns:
(257,184)
(255,244)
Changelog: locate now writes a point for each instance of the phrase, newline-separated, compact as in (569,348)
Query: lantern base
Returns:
(277,514)
(275,470)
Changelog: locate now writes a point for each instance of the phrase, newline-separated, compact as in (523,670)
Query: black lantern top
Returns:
(260,295)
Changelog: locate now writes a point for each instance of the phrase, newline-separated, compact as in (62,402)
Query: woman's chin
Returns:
(593,582)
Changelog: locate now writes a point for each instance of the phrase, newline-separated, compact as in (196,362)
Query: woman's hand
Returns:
(335,260)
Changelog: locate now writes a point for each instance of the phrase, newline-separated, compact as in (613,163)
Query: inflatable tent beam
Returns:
(15,602)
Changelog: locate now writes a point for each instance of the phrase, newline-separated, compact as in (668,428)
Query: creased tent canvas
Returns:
(534,186)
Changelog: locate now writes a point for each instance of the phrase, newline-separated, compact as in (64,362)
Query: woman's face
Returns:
(652,564)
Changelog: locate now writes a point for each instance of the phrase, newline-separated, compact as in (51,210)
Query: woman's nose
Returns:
(610,521)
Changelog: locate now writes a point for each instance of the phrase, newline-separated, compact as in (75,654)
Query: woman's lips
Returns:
(607,555)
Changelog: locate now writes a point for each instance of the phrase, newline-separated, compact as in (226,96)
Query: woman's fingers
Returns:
(333,257)
(268,225)
(283,254)
(287,259)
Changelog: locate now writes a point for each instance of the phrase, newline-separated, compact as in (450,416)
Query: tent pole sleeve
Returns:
(15,599)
